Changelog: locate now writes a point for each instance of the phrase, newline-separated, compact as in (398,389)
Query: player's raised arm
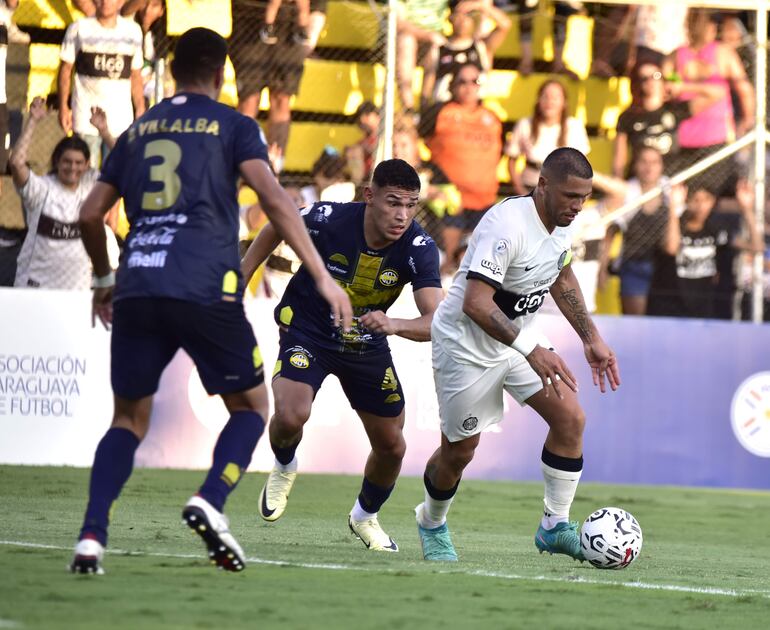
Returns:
(289,226)
(427,300)
(261,247)
(569,298)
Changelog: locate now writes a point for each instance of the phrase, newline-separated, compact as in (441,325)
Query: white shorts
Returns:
(470,396)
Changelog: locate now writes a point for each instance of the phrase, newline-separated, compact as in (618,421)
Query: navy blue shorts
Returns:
(635,277)
(369,381)
(147,332)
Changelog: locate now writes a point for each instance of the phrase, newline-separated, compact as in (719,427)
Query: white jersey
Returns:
(512,251)
(5,20)
(52,255)
(103,59)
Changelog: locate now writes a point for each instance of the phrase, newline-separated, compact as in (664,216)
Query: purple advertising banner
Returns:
(671,421)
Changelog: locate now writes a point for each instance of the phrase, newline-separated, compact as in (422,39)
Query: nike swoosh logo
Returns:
(530,268)
(266,511)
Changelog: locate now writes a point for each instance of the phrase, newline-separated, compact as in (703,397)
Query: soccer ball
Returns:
(611,538)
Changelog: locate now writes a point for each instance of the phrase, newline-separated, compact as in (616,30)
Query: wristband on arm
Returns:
(525,342)
(103,282)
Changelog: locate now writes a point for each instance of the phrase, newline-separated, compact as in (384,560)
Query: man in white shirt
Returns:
(106,54)
(485,342)
(7,7)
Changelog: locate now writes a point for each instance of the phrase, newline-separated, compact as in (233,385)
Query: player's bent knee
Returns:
(393,447)
(459,457)
(291,416)
(570,426)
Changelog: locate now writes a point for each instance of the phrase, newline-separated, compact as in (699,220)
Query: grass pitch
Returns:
(705,561)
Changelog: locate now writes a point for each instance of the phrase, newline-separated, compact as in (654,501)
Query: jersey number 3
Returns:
(163,173)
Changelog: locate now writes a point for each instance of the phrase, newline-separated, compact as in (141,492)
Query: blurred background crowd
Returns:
(485,89)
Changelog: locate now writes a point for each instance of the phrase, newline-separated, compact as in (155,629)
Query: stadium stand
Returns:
(348,68)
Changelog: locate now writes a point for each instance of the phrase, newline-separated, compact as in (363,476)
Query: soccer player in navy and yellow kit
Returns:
(372,249)
(179,284)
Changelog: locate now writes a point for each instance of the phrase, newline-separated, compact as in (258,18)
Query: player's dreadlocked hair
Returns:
(396,173)
(566,161)
(199,53)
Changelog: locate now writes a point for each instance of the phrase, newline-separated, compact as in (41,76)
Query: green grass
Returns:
(308,571)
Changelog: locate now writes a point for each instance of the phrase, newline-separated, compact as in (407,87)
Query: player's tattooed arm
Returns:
(501,327)
(480,306)
(569,298)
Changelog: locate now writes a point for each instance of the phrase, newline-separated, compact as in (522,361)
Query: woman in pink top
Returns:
(706,60)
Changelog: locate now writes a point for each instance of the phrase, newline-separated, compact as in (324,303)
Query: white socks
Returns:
(434,512)
(360,514)
(560,488)
(286,468)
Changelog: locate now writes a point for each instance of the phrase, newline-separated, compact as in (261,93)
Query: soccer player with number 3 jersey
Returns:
(179,285)
(485,343)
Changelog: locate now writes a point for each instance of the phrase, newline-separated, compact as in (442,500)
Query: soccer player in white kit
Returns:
(484,343)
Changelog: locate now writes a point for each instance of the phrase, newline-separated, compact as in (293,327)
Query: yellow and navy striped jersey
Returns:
(372,278)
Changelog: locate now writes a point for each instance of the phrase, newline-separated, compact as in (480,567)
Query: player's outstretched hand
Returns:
(378,322)
(339,302)
(552,370)
(604,365)
(101,307)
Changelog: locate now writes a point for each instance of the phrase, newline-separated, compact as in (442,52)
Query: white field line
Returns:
(678,588)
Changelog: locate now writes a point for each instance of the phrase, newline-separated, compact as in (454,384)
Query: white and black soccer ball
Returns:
(611,538)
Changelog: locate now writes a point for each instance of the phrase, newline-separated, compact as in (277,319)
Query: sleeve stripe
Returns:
(475,275)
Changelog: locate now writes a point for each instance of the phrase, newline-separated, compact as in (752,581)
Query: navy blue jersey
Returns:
(176,169)
(373,278)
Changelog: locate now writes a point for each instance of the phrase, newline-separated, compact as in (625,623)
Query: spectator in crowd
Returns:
(6,9)
(468,43)
(610,44)
(465,140)
(659,30)
(53,256)
(105,52)
(550,127)
(420,35)
(746,279)
(315,24)
(88,7)
(258,65)
(653,118)
(149,12)
(746,243)
(360,156)
(642,230)
(704,59)
(733,34)
(330,179)
(438,196)
(268,33)
(685,279)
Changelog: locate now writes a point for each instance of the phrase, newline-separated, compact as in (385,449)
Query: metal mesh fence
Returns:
(309,82)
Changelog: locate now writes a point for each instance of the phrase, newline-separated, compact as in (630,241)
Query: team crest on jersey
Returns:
(389,277)
(470,423)
(299,360)
(421,240)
